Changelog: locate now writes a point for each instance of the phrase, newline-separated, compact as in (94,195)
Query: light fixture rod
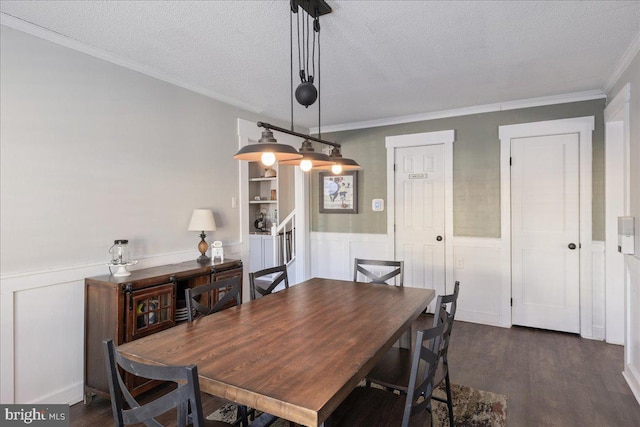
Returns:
(299,135)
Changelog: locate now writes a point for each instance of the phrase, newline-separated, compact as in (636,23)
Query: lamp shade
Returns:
(202,220)
(309,155)
(343,163)
(267,144)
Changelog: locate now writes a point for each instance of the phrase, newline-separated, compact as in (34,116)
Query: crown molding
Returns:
(621,66)
(37,31)
(488,108)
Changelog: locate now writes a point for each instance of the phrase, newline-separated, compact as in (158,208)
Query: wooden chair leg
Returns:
(449,399)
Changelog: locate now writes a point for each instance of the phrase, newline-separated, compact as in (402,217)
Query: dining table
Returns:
(295,354)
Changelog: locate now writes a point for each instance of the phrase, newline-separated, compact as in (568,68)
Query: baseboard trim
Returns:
(479,317)
(633,380)
(70,395)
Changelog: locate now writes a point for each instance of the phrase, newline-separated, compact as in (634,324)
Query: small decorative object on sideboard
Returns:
(217,251)
(120,258)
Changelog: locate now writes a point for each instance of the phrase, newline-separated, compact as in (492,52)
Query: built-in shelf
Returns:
(271,178)
(260,202)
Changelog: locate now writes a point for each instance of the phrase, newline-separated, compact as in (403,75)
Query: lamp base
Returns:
(202,248)
(203,259)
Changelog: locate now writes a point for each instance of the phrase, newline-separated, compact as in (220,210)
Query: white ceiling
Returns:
(380,59)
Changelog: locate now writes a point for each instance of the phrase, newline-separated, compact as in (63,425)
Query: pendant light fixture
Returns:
(310,158)
(267,150)
(340,164)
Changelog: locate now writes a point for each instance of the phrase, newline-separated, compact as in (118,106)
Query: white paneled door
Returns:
(419,215)
(545,231)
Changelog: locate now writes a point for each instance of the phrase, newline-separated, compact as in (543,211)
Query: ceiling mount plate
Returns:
(314,8)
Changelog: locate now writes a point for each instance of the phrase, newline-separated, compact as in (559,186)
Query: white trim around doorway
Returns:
(584,126)
(445,137)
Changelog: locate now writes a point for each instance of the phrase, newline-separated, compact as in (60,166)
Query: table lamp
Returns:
(202,220)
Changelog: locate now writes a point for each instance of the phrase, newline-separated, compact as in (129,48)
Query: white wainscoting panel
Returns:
(49,329)
(598,266)
(42,330)
(332,254)
(477,264)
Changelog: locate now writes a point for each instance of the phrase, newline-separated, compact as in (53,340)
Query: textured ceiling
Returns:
(380,59)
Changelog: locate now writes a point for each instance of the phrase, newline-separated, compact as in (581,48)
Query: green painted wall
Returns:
(476,169)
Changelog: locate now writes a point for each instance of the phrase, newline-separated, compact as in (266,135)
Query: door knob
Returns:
(572,246)
(439,238)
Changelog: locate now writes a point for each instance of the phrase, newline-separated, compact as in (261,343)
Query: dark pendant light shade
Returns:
(310,159)
(340,164)
(267,144)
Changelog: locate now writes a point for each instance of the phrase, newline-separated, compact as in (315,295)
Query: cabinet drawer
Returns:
(150,310)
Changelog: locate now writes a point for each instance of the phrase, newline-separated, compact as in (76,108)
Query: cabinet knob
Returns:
(439,238)
(572,246)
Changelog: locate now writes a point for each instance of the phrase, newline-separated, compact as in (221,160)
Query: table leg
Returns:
(405,339)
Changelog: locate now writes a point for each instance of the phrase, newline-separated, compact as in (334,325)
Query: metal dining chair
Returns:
(394,369)
(186,397)
(378,271)
(374,407)
(228,288)
(264,282)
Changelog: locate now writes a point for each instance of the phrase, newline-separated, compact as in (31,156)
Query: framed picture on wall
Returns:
(339,193)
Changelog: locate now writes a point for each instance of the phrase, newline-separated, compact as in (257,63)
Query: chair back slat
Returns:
(448,303)
(185,397)
(363,267)
(277,275)
(426,352)
(230,287)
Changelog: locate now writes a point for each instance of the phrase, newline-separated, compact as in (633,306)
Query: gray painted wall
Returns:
(92,152)
(476,169)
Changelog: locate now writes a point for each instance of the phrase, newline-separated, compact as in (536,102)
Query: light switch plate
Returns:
(377,205)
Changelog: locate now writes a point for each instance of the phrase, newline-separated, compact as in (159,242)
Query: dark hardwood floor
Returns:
(549,378)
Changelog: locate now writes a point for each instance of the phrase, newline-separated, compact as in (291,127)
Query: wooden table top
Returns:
(296,353)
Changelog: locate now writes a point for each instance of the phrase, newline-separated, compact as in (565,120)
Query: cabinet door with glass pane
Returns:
(150,310)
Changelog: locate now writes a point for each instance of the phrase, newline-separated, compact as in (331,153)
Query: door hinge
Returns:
(394,167)
(511,302)
(510,161)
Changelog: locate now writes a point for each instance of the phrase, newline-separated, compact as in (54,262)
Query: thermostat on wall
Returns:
(377,205)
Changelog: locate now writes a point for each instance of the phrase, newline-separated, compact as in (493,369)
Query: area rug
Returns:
(471,408)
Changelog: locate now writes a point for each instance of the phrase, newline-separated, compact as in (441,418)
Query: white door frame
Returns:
(445,137)
(617,203)
(584,126)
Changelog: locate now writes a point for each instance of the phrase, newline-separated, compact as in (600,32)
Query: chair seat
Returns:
(356,411)
(394,370)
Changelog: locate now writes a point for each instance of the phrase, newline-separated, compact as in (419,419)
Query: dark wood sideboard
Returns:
(127,308)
